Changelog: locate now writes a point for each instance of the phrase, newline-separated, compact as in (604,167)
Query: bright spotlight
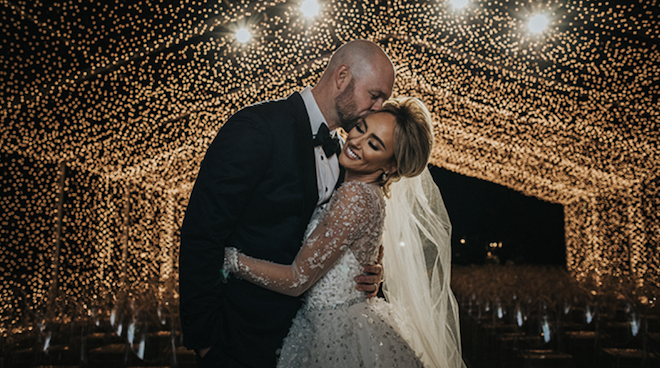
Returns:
(538,23)
(243,35)
(459,4)
(310,8)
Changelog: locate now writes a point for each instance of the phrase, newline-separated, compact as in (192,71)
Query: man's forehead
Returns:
(379,85)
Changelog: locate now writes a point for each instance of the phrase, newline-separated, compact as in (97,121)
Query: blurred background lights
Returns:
(459,4)
(109,107)
(310,8)
(538,23)
(243,35)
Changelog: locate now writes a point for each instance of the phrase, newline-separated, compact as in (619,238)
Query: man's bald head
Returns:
(362,57)
(358,79)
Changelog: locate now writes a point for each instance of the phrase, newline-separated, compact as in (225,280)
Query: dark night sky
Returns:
(531,230)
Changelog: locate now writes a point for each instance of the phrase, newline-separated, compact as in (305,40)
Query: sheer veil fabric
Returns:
(417,264)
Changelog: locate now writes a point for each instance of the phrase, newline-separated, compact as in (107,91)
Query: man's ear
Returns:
(342,77)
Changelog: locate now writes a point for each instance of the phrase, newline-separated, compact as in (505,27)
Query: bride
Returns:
(337,326)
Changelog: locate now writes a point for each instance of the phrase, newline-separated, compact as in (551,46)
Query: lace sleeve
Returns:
(351,211)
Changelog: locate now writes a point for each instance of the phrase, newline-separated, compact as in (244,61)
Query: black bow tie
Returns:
(330,144)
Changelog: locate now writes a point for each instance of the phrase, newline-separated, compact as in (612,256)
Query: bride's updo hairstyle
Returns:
(413,138)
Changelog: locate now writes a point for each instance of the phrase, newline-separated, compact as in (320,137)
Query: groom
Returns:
(269,166)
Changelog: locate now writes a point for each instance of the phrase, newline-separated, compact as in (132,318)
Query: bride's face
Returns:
(369,148)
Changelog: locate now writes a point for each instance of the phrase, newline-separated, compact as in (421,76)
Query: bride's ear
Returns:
(391,169)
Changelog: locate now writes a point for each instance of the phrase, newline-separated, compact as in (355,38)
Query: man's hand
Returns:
(370,281)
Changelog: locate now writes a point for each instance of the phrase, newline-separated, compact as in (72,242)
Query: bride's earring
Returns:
(384,176)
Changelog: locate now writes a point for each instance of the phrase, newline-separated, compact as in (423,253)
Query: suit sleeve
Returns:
(229,173)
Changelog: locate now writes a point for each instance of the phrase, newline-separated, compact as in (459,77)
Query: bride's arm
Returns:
(325,245)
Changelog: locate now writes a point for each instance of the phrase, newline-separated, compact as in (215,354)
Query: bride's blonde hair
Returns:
(413,139)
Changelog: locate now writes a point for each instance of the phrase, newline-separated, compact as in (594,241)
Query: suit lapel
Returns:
(305,155)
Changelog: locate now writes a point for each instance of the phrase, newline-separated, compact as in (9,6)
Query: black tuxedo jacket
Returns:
(256,191)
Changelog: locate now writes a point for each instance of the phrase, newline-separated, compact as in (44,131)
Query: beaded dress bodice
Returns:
(337,287)
(342,238)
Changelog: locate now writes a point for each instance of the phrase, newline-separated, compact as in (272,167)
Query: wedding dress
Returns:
(337,326)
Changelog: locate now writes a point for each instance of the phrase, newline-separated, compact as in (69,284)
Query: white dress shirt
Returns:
(327,169)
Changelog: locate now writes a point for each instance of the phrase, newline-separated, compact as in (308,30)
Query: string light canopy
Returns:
(108,108)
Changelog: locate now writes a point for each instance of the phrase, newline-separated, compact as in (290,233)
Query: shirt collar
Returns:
(315,116)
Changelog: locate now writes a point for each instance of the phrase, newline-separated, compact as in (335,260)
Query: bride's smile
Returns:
(351,155)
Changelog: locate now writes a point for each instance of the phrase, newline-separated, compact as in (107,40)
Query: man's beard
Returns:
(347,108)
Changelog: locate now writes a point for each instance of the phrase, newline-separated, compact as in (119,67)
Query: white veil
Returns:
(417,264)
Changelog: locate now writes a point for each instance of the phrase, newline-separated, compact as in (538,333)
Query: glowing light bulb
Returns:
(243,35)
(310,8)
(538,23)
(459,4)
